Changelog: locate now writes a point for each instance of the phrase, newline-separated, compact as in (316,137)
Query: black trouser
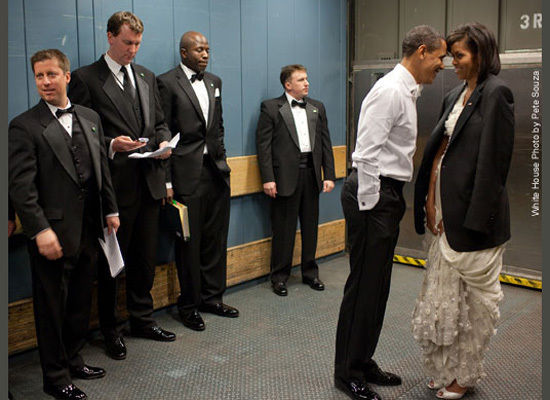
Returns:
(202,261)
(137,237)
(285,210)
(62,299)
(372,236)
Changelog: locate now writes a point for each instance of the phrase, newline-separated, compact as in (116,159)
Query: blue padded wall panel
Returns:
(18,62)
(238,212)
(41,33)
(330,208)
(254,67)
(332,71)
(156,51)
(256,221)
(280,38)
(225,61)
(250,41)
(86,37)
(306,42)
(103,9)
(190,15)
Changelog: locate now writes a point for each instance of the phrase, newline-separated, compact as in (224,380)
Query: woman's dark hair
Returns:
(482,44)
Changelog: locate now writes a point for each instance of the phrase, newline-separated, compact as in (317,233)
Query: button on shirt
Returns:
(66,120)
(300,121)
(386,134)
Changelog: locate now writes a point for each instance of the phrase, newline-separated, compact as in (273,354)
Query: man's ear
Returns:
(422,50)
(183,53)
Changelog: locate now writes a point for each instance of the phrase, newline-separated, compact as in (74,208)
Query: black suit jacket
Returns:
(184,115)
(43,183)
(94,86)
(474,169)
(278,147)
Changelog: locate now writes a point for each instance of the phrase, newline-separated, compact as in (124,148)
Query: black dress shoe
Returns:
(87,372)
(280,288)
(155,333)
(223,310)
(315,283)
(115,347)
(68,392)
(373,374)
(192,320)
(355,389)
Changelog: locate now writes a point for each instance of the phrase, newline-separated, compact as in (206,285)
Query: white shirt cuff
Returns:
(367,201)
(168,185)
(112,215)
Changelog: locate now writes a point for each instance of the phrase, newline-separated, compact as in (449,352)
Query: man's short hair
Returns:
(482,44)
(50,54)
(421,35)
(288,70)
(124,17)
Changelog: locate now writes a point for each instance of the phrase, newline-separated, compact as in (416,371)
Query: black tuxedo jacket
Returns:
(95,86)
(43,183)
(475,207)
(278,147)
(184,115)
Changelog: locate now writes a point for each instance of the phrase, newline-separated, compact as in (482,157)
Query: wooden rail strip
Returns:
(245,173)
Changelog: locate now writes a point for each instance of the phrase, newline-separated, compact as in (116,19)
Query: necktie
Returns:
(59,112)
(198,76)
(298,103)
(127,85)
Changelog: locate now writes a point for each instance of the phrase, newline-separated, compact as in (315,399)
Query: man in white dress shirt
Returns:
(373,205)
(293,144)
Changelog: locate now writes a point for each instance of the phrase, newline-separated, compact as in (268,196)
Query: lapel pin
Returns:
(211,84)
(141,74)
(314,110)
(93,128)
(470,104)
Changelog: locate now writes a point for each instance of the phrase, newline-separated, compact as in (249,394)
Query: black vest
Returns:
(82,159)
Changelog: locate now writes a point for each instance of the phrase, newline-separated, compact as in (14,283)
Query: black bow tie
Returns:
(298,103)
(60,112)
(198,76)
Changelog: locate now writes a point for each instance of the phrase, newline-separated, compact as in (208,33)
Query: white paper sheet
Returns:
(150,154)
(112,252)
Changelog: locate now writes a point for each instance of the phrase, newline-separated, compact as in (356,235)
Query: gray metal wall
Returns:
(378,29)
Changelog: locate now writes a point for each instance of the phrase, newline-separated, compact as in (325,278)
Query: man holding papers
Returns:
(192,104)
(125,95)
(60,187)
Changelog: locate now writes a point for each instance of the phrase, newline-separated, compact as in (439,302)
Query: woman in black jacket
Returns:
(460,196)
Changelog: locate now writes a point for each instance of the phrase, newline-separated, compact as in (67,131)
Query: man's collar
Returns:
(290,98)
(188,71)
(113,65)
(408,79)
(53,108)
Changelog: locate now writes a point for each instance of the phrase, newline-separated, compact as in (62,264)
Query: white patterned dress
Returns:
(457,309)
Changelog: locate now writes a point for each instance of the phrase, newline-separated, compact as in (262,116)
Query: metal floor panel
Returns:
(282,348)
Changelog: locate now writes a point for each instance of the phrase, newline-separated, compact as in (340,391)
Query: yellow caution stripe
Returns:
(416,262)
(504,278)
(520,281)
